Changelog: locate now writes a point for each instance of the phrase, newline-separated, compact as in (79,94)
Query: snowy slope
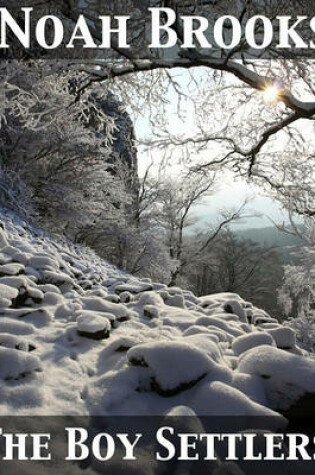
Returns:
(78,336)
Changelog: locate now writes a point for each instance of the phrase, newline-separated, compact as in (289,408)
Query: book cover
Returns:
(157,203)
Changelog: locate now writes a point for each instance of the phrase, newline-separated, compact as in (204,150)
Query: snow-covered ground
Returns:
(78,336)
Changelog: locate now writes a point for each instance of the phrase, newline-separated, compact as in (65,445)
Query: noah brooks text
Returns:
(196,31)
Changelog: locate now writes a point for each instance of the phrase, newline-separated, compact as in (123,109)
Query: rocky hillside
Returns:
(77,336)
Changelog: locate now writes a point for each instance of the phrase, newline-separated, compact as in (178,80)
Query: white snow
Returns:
(16,327)
(12,341)
(40,261)
(164,348)
(92,324)
(150,298)
(175,301)
(3,239)
(205,343)
(251,385)
(151,311)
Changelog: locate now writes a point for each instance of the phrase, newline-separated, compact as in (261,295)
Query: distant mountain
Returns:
(286,244)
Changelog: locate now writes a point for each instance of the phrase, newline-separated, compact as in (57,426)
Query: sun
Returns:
(271,94)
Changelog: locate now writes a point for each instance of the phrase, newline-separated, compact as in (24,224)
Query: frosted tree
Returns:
(48,142)
(168,203)
(297,294)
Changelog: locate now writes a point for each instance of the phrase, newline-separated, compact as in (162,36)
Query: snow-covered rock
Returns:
(251,340)
(151,311)
(7,294)
(11,269)
(94,327)
(220,398)
(218,322)
(175,365)
(284,337)
(206,344)
(17,364)
(133,287)
(235,306)
(3,239)
(15,342)
(150,298)
(286,377)
(97,304)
